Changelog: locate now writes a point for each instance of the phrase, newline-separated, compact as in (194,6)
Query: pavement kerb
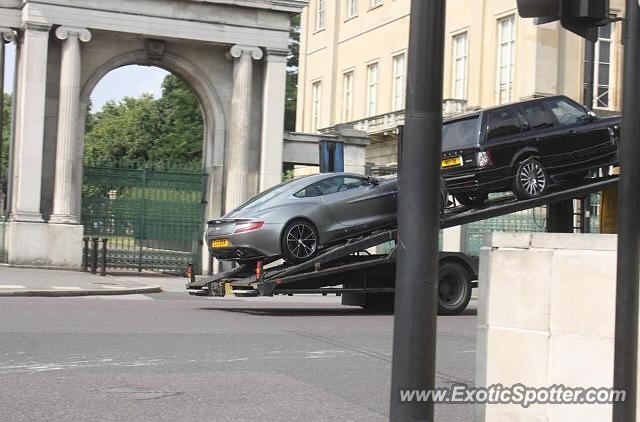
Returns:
(81,292)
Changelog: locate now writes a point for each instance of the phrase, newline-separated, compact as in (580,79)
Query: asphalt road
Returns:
(169,357)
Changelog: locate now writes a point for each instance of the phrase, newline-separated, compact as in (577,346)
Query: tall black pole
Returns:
(414,335)
(628,273)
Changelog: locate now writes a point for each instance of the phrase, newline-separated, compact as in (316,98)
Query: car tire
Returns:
(454,288)
(530,179)
(299,241)
(471,200)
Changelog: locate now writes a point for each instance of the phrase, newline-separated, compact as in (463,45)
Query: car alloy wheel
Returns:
(300,241)
(531,179)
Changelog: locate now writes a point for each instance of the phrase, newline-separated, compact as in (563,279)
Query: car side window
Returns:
(567,113)
(503,122)
(537,116)
(332,185)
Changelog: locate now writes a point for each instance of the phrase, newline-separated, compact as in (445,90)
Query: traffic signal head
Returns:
(581,17)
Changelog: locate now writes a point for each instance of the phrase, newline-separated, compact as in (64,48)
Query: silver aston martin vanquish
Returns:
(297,218)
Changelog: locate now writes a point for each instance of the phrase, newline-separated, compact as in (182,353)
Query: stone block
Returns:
(578,361)
(519,290)
(597,242)
(28,244)
(65,245)
(583,293)
(508,240)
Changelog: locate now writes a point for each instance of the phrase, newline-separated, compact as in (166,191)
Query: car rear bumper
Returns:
(256,244)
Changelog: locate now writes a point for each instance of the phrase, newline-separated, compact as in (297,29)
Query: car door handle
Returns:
(572,132)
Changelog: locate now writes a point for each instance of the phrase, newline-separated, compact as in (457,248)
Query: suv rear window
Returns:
(503,122)
(463,133)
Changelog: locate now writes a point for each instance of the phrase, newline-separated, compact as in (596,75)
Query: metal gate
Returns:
(151,213)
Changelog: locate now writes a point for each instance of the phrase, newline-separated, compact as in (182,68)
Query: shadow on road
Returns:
(299,312)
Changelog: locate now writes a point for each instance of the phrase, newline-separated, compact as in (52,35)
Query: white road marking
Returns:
(11,286)
(66,288)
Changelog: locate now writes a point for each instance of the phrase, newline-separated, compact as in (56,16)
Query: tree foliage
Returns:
(148,129)
(292,75)
(6,130)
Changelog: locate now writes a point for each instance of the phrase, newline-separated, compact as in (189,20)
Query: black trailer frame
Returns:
(368,280)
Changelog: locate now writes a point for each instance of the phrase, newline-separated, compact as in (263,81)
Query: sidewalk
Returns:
(52,283)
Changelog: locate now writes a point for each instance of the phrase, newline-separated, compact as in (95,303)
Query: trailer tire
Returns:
(454,288)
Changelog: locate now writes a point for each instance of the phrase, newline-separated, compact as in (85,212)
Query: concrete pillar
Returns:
(273,102)
(30,125)
(238,142)
(64,208)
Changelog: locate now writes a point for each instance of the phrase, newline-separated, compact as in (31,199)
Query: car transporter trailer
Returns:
(368,280)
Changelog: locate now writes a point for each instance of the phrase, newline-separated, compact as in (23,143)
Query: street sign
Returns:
(581,17)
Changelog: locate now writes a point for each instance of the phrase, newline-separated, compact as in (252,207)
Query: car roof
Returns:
(476,113)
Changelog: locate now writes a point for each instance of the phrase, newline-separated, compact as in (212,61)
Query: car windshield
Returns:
(265,196)
(463,133)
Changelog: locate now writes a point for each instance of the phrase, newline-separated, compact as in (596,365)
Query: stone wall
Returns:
(546,316)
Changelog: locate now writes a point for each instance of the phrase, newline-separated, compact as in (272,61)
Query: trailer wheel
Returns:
(454,288)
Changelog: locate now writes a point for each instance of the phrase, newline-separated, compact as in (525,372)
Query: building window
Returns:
(372,89)
(352,8)
(398,82)
(460,51)
(374,3)
(602,71)
(316,98)
(320,5)
(506,58)
(347,97)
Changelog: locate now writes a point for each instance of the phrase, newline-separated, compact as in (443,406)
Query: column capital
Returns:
(64,32)
(7,34)
(238,50)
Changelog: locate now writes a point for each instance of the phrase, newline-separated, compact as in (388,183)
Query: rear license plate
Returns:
(452,162)
(220,243)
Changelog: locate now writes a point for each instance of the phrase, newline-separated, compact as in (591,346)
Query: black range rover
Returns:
(524,147)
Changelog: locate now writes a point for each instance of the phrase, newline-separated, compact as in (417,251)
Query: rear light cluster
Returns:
(248,226)
(484,159)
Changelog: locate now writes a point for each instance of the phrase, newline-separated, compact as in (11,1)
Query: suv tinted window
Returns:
(332,185)
(503,123)
(462,133)
(537,116)
(567,113)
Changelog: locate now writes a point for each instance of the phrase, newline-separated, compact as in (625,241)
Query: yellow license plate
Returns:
(452,162)
(220,243)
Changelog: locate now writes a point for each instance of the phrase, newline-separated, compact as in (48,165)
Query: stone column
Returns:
(64,209)
(238,141)
(30,112)
(273,102)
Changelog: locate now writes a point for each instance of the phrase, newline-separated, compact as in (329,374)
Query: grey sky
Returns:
(131,81)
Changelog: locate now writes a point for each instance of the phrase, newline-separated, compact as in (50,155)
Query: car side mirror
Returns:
(373,181)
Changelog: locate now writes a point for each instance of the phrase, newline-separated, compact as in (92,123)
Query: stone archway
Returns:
(213,147)
(233,54)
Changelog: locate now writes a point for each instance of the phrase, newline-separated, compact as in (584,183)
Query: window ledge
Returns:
(319,30)
(350,18)
(374,7)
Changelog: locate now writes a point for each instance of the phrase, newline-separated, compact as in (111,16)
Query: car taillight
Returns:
(613,135)
(248,226)
(484,159)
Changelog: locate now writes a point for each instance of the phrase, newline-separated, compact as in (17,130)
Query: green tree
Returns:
(292,75)
(145,129)
(6,130)
(181,125)
(124,130)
